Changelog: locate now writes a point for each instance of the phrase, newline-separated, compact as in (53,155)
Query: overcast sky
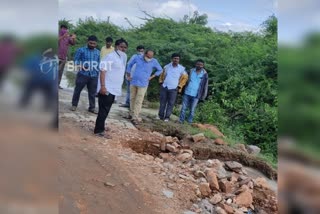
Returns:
(236,15)
(296,17)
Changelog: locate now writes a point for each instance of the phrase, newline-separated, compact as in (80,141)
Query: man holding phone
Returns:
(65,40)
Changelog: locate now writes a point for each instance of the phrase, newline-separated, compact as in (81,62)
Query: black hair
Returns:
(63,26)
(92,38)
(140,47)
(175,55)
(200,60)
(150,50)
(109,39)
(121,40)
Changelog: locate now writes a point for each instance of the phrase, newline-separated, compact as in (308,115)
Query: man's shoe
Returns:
(60,87)
(129,117)
(125,105)
(93,111)
(166,120)
(100,134)
(73,108)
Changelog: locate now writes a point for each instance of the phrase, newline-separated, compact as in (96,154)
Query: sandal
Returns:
(129,117)
(135,122)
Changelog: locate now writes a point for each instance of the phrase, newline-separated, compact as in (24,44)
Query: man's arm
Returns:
(158,72)
(129,66)
(103,89)
(78,59)
(205,90)
(182,81)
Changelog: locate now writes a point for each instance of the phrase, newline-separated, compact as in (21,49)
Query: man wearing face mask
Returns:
(140,51)
(65,40)
(110,81)
(87,59)
(196,89)
(140,81)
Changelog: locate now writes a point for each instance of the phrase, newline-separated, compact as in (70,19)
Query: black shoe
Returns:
(93,111)
(100,134)
(60,87)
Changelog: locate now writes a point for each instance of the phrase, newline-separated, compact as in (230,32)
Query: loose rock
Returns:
(234,166)
(244,199)
(213,180)
(225,186)
(205,189)
(198,137)
(254,150)
(216,199)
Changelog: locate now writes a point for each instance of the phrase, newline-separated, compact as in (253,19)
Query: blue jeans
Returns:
(188,102)
(128,92)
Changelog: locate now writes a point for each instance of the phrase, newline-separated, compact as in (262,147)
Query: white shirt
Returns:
(173,75)
(114,64)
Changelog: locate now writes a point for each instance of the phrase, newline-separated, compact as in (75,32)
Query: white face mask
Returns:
(147,59)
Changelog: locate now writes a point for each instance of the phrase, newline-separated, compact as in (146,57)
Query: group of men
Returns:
(103,73)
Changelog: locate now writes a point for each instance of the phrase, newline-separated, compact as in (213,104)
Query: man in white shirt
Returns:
(172,79)
(112,69)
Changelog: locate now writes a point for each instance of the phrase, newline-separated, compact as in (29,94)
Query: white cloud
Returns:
(174,9)
(236,27)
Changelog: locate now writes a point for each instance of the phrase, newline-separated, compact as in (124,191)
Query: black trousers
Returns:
(105,103)
(167,100)
(81,82)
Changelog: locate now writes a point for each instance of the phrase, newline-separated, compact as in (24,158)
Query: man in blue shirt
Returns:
(87,59)
(140,51)
(196,89)
(139,81)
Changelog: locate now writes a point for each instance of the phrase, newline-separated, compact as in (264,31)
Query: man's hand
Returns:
(66,35)
(179,90)
(73,36)
(128,77)
(103,90)
(150,78)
